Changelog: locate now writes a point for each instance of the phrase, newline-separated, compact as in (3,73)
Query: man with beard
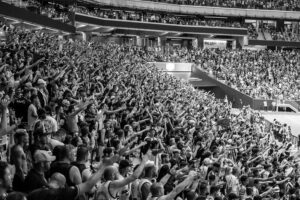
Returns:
(5,180)
(36,176)
(19,159)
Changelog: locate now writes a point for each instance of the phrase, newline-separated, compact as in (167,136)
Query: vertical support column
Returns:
(234,44)
(159,42)
(201,42)
(86,36)
(83,36)
(195,43)
(245,41)
(162,41)
(279,25)
(185,43)
(147,42)
(139,41)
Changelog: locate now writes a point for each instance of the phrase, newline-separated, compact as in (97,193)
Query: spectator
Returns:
(19,158)
(139,116)
(36,177)
(63,165)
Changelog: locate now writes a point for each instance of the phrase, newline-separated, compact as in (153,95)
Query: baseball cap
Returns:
(41,81)
(66,102)
(43,156)
(28,85)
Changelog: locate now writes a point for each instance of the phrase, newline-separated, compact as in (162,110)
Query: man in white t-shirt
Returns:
(232,182)
(273,106)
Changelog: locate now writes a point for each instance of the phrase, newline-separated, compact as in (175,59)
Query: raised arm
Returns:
(121,183)
(89,184)
(135,148)
(4,104)
(81,108)
(135,135)
(116,111)
(180,187)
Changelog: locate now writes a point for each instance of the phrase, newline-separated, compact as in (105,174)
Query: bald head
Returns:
(157,190)
(57,180)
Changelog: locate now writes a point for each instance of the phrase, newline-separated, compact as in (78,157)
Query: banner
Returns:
(215,44)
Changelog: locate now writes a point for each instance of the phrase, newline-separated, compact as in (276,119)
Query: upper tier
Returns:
(201,10)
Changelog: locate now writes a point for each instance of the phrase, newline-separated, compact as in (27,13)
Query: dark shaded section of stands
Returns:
(158,26)
(273,43)
(27,16)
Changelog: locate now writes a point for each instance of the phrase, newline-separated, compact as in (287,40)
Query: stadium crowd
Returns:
(154,17)
(82,120)
(158,17)
(263,74)
(291,5)
(65,14)
(52,10)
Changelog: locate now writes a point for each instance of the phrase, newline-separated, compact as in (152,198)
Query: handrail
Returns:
(293,138)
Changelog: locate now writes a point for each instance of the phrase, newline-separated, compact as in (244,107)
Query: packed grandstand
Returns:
(98,120)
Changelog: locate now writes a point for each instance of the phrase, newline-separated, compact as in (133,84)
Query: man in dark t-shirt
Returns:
(55,191)
(20,104)
(58,194)
(36,176)
(58,191)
